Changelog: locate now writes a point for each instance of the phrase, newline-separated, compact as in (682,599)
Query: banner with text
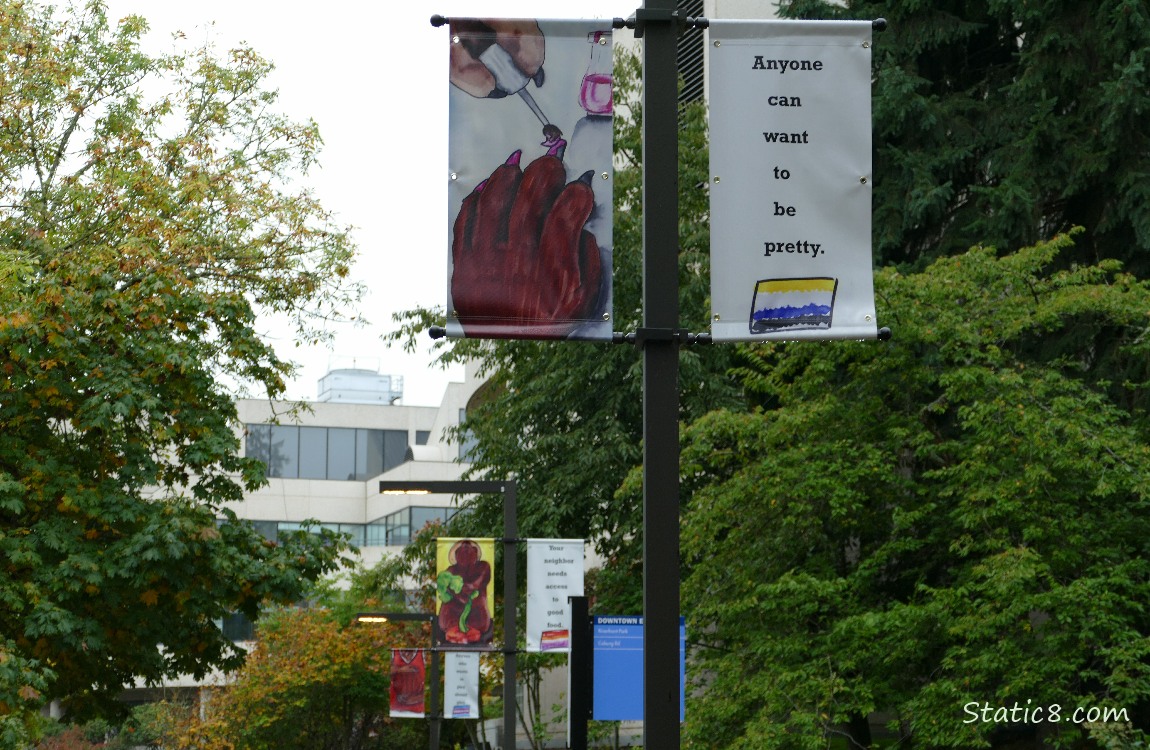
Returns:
(554,572)
(530,179)
(408,675)
(461,685)
(790,128)
(464,593)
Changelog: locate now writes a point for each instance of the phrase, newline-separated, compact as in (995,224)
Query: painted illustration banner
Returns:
(530,179)
(465,593)
(461,685)
(790,127)
(554,572)
(408,676)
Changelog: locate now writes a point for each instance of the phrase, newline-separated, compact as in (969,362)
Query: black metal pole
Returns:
(658,24)
(579,671)
(435,713)
(510,579)
(510,610)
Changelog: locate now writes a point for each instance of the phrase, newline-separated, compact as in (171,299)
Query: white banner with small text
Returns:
(554,573)
(461,685)
(790,128)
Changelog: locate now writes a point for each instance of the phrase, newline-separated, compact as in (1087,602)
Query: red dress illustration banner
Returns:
(530,196)
(465,591)
(408,676)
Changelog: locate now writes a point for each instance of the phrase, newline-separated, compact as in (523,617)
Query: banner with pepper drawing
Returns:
(530,179)
(464,593)
(408,677)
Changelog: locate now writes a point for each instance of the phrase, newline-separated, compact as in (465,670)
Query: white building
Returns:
(326,463)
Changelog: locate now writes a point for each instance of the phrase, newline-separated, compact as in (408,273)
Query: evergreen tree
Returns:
(1003,122)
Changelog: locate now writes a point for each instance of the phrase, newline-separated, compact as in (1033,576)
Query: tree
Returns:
(147,219)
(929,526)
(838,533)
(1003,123)
(313,684)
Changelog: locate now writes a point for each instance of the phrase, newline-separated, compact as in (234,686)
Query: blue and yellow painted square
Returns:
(793,304)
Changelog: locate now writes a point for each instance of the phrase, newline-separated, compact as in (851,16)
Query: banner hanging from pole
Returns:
(530,179)
(554,572)
(461,685)
(408,676)
(790,128)
(465,592)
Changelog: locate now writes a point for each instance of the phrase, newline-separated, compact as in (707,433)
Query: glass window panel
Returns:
(394,448)
(467,443)
(237,627)
(420,517)
(258,442)
(267,529)
(284,458)
(313,452)
(399,527)
(398,535)
(355,531)
(340,453)
(422,436)
(375,535)
(368,453)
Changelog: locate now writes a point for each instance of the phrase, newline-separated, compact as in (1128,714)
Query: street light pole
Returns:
(433,714)
(506,487)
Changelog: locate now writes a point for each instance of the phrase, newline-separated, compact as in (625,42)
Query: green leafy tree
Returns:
(938,522)
(313,684)
(1003,122)
(147,219)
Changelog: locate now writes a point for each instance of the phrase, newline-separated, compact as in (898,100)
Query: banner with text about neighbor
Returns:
(554,572)
(790,128)
(530,179)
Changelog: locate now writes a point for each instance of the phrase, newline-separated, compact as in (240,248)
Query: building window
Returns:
(340,453)
(237,627)
(467,441)
(313,453)
(283,456)
(400,526)
(294,452)
(360,534)
(422,436)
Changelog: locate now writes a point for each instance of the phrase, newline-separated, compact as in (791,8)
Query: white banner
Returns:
(790,129)
(461,685)
(530,179)
(554,572)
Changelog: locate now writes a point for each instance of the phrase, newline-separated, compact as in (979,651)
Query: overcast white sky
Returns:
(373,75)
